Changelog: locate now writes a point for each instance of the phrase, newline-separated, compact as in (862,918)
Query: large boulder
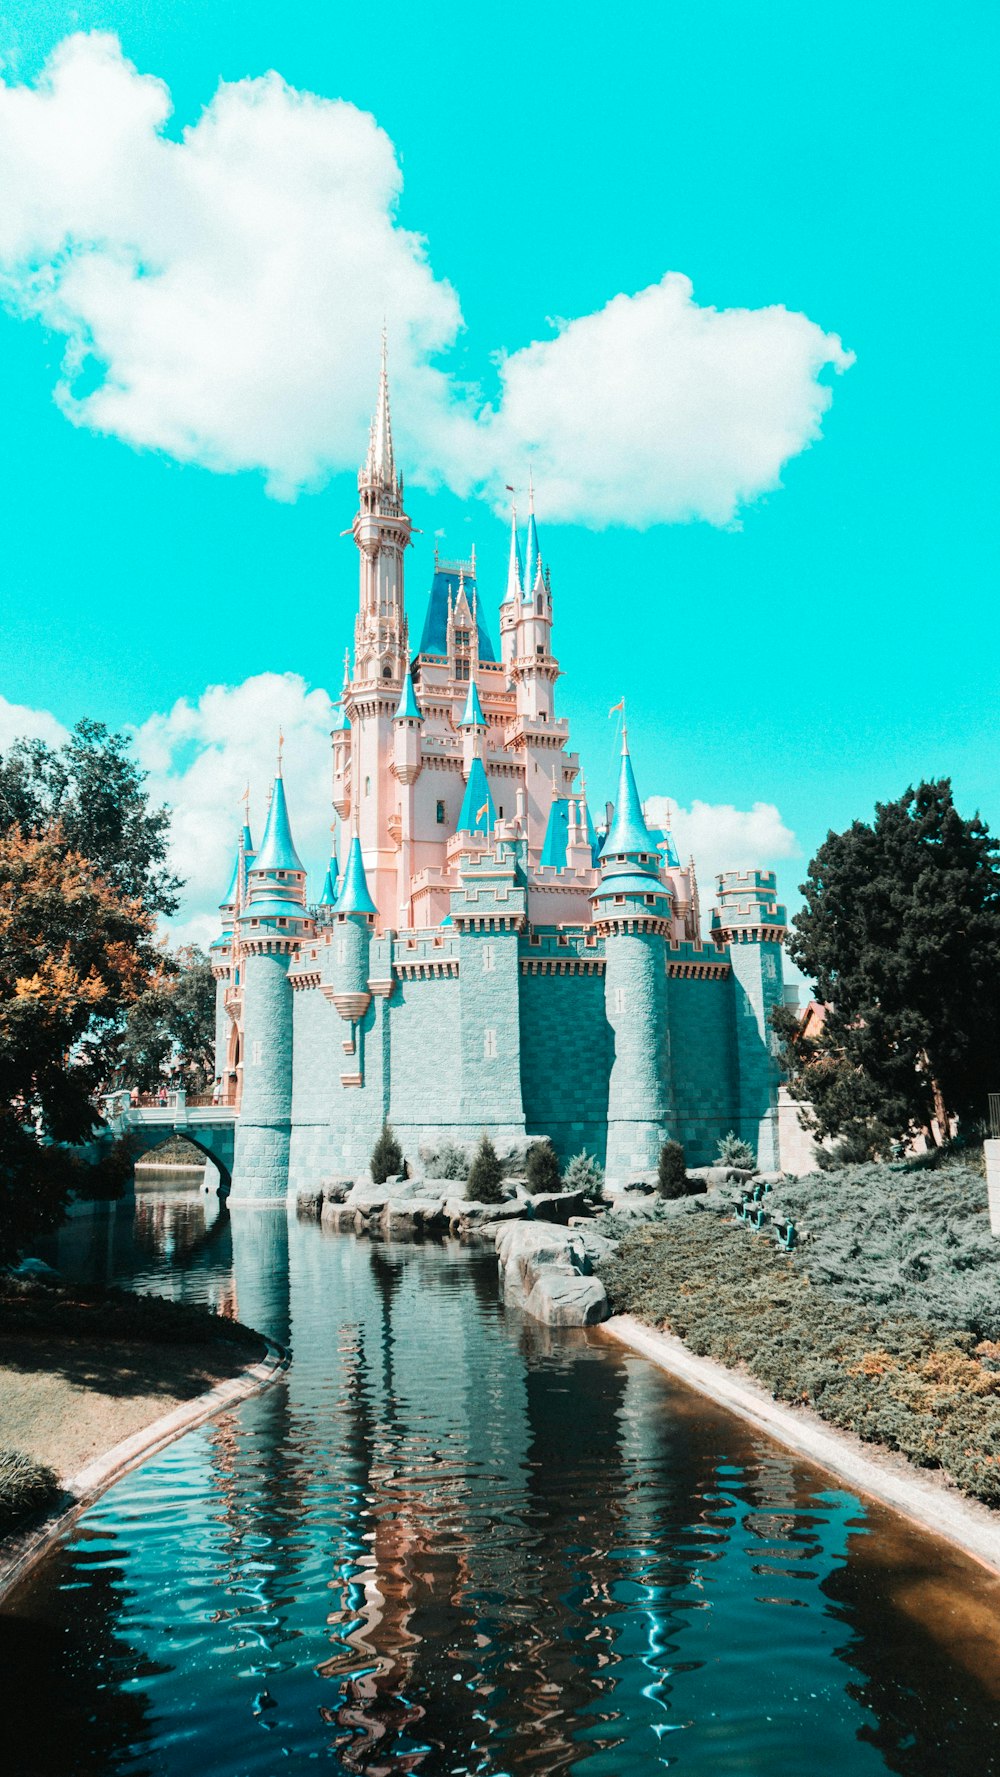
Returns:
(406,1215)
(558,1206)
(560,1297)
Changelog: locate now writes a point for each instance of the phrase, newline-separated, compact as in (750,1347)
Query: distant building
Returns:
(479,956)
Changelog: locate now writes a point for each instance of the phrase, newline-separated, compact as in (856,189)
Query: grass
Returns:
(27,1489)
(883,1321)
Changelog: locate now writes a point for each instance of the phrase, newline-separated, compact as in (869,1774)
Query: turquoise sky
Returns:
(840,160)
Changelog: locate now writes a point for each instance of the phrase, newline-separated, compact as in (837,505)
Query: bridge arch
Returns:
(214,1145)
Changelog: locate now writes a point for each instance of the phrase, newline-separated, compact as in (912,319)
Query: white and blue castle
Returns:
(480,956)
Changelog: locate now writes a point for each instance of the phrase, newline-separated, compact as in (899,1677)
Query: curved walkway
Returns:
(23,1551)
(932,1504)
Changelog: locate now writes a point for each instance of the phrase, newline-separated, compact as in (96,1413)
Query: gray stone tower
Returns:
(632,913)
(750,920)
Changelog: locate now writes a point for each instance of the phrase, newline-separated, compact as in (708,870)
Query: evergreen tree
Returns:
(387,1157)
(734,1152)
(542,1168)
(901,933)
(671,1171)
(486,1174)
(584,1172)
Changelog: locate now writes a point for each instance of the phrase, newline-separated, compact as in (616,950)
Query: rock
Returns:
(368,1199)
(309,1206)
(403,1215)
(560,1297)
(558,1206)
(464,1209)
(642,1187)
(336,1217)
(597,1246)
(335,1190)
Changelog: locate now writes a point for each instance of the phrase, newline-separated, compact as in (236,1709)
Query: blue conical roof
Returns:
(340,721)
(354,896)
(277,848)
(472,715)
(628,834)
(233,890)
(477,812)
(408,709)
(329,896)
(556,836)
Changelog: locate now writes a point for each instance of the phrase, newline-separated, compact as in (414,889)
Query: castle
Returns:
(480,956)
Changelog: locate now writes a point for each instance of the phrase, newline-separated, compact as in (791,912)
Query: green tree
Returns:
(901,933)
(93,787)
(486,1174)
(173,1024)
(671,1171)
(75,955)
(584,1172)
(735,1152)
(542,1168)
(387,1157)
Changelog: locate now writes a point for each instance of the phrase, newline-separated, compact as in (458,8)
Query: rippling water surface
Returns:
(453,1541)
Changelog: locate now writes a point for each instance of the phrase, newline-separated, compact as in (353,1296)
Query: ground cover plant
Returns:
(27,1488)
(884,1321)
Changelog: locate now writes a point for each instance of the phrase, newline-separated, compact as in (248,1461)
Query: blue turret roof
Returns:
(477,813)
(277,848)
(628,834)
(354,896)
(472,715)
(434,638)
(230,900)
(556,841)
(329,896)
(408,709)
(340,721)
(629,882)
(666,847)
(273,904)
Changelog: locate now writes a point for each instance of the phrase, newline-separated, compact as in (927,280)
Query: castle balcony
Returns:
(532,731)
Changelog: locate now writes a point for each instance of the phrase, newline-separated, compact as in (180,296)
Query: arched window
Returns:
(368,786)
(538,604)
(387,672)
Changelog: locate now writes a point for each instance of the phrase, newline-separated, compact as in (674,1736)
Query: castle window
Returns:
(461,669)
(462,638)
(489,1045)
(387,672)
(539,649)
(650,900)
(440,814)
(538,607)
(368,786)
(619,900)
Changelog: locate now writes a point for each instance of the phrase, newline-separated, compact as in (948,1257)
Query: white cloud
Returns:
(221,296)
(201,756)
(18,722)
(720,837)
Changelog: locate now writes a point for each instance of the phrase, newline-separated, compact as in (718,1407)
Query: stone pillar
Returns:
(753,924)
(260,1164)
(640,1107)
(489,912)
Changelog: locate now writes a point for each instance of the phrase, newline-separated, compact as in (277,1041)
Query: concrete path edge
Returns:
(24,1551)
(932,1505)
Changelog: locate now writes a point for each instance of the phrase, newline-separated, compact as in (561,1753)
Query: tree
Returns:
(584,1172)
(173,1023)
(901,933)
(486,1174)
(95,790)
(387,1157)
(75,954)
(735,1152)
(671,1171)
(542,1168)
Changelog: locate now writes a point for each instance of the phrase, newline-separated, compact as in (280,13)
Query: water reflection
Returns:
(454,1541)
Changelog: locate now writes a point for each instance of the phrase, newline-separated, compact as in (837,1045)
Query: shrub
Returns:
(387,1157)
(671,1172)
(448,1162)
(584,1172)
(486,1174)
(542,1168)
(26,1487)
(735,1152)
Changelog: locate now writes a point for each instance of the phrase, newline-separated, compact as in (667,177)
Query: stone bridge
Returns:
(209,1128)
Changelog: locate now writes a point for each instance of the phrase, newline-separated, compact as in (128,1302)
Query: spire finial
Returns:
(381,463)
(531,490)
(281,748)
(347,667)
(613,711)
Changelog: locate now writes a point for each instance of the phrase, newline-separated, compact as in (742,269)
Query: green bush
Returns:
(584,1172)
(671,1171)
(448,1162)
(542,1168)
(26,1488)
(486,1174)
(835,1325)
(387,1157)
(733,1151)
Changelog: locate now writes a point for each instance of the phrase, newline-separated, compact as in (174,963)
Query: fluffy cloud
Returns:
(221,292)
(720,837)
(201,756)
(18,722)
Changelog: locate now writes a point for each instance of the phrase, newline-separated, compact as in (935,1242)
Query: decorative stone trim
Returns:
(307,978)
(427,969)
(351,1080)
(270,946)
(490,922)
(563,965)
(698,971)
(382,988)
(750,934)
(620,925)
(351,1006)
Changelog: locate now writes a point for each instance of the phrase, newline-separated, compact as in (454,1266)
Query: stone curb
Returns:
(25,1551)
(967,1524)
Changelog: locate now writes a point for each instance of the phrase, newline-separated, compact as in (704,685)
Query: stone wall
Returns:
(703,1064)
(566,1055)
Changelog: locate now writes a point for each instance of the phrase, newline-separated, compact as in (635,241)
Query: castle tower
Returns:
(632,912)
(489,911)
(270,927)
(407,759)
(751,921)
(510,609)
(526,627)
(226,965)
(381,655)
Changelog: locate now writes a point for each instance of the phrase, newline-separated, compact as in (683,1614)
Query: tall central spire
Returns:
(381,464)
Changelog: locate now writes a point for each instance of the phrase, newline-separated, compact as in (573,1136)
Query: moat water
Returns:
(452,1541)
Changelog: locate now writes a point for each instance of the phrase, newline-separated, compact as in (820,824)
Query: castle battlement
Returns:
(481,954)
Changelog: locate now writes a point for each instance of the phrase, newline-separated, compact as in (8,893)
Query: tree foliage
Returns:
(671,1170)
(94,789)
(584,1172)
(542,1168)
(486,1174)
(387,1157)
(733,1151)
(901,933)
(172,1025)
